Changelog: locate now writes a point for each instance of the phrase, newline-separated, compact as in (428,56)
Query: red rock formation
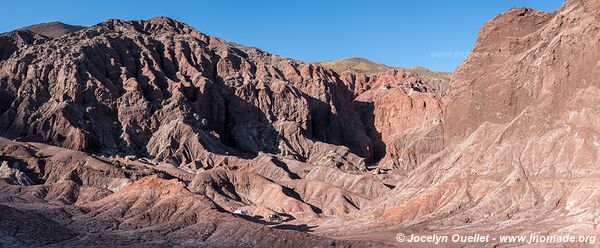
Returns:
(81,210)
(511,148)
(405,125)
(162,89)
(520,135)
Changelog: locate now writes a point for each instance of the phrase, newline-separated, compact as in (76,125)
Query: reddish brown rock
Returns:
(520,137)
(510,148)
(404,123)
(162,89)
(147,209)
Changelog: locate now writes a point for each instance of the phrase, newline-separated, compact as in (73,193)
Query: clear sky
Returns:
(436,34)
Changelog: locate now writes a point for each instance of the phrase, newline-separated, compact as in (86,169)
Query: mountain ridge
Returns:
(439,80)
(153,129)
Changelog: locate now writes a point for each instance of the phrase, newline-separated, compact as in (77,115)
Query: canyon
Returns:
(151,133)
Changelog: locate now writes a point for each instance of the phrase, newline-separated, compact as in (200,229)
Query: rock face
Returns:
(99,109)
(405,123)
(521,134)
(13,41)
(91,202)
(437,80)
(232,146)
(159,88)
(35,34)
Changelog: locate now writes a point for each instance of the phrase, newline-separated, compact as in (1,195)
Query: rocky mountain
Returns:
(438,80)
(159,88)
(52,29)
(244,128)
(152,133)
(80,200)
(520,134)
(355,65)
(162,89)
(35,34)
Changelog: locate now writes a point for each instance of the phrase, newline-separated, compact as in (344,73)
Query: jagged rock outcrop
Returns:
(367,70)
(13,41)
(233,189)
(520,134)
(404,123)
(11,173)
(137,215)
(138,208)
(510,148)
(162,89)
(303,191)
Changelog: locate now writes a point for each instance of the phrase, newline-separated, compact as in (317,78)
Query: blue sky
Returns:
(432,33)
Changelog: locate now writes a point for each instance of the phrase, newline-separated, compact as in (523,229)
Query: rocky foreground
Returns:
(151,133)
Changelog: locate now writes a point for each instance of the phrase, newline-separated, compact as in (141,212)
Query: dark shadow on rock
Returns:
(29,171)
(299,227)
(234,125)
(278,225)
(285,167)
(367,116)
(293,194)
